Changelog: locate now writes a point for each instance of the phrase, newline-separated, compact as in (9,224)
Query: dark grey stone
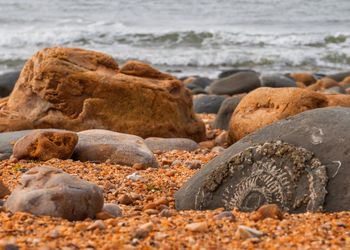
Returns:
(231,72)
(301,163)
(209,104)
(339,76)
(235,84)
(276,81)
(8,139)
(201,82)
(223,117)
(7,82)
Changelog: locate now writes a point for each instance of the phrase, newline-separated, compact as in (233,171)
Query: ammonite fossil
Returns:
(272,172)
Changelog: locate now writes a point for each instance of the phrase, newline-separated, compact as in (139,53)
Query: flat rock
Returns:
(76,89)
(276,81)
(45,145)
(209,104)
(237,83)
(50,191)
(300,164)
(168,144)
(8,140)
(7,82)
(225,112)
(97,145)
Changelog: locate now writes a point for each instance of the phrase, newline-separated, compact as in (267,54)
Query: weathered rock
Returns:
(231,72)
(209,104)
(8,140)
(300,163)
(323,83)
(168,144)
(77,89)
(276,81)
(225,112)
(3,190)
(305,78)
(7,82)
(50,191)
(97,145)
(338,100)
(235,84)
(268,105)
(45,145)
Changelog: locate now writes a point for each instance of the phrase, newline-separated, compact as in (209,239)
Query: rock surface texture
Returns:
(169,144)
(50,191)
(97,145)
(77,89)
(300,164)
(45,145)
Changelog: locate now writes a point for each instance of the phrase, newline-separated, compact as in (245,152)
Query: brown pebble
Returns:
(207,144)
(97,224)
(197,227)
(267,211)
(244,232)
(143,231)
(139,166)
(125,199)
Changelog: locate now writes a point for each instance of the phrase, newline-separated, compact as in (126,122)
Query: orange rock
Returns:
(323,83)
(265,106)
(207,144)
(77,89)
(305,78)
(45,145)
(267,211)
(338,100)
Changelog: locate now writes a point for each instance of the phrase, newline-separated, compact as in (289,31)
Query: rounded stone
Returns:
(156,144)
(300,164)
(225,112)
(237,83)
(209,104)
(276,81)
(230,72)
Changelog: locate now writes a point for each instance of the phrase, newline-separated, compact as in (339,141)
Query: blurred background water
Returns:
(186,37)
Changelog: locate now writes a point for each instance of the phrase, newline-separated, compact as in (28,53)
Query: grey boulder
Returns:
(301,163)
(276,81)
(156,144)
(98,145)
(235,84)
(52,192)
(228,106)
(7,82)
(209,104)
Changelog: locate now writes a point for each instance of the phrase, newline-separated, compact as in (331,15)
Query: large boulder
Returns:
(264,106)
(50,191)
(208,104)
(45,145)
(7,82)
(235,84)
(8,140)
(77,89)
(98,145)
(300,163)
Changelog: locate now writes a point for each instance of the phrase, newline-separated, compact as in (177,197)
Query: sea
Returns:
(185,37)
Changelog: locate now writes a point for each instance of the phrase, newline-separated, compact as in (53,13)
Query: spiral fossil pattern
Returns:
(273,172)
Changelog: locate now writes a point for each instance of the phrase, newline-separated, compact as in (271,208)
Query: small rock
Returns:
(268,211)
(225,215)
(97,224)
(54,234)
(221,139)
(207,144)
(143,231)
(276,81)
(125,199)
(194,164)
(160,236)
(244,232)
(3,190)
(109,210)
(225,112)
(45,145)
(208,104)
(199,227)
(176,163)
(165,213)
(168,144)
(50,191)
(151,211)
(217,149)
(134,176)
